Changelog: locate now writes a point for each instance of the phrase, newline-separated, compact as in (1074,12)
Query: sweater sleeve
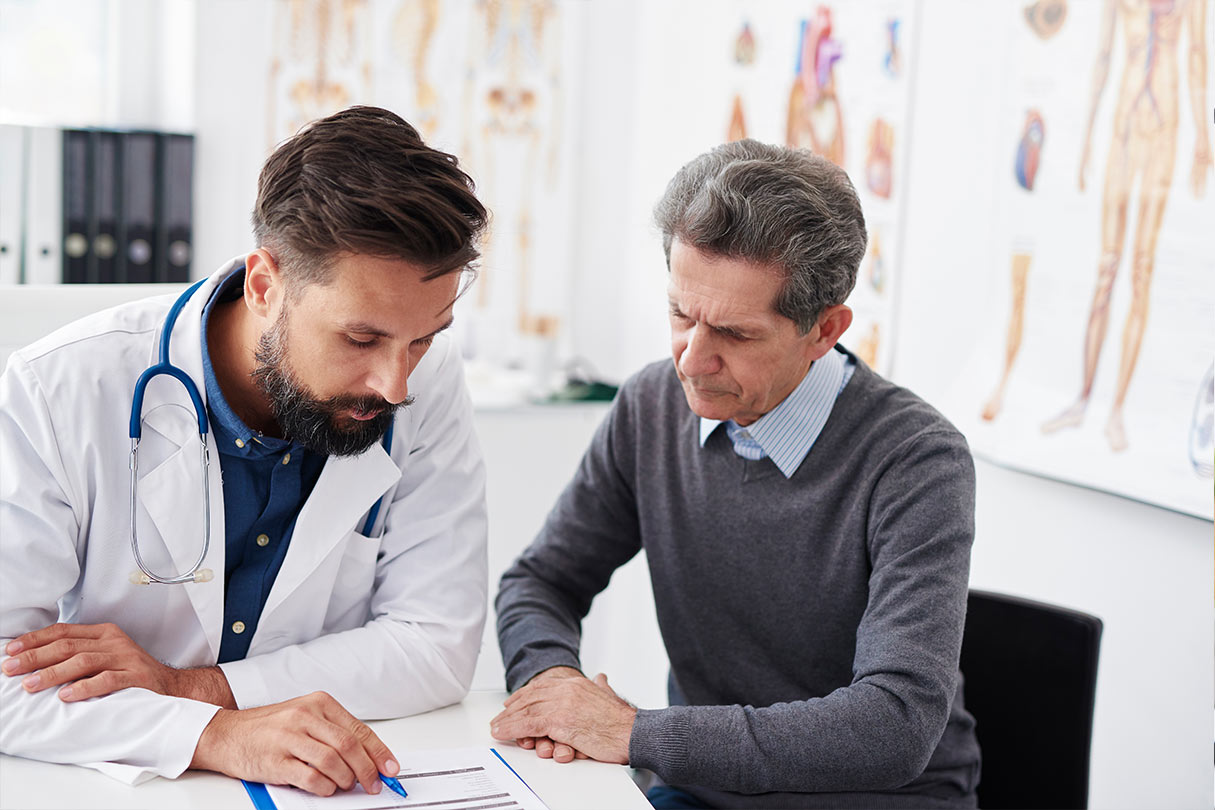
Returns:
(591,531)
(880,731)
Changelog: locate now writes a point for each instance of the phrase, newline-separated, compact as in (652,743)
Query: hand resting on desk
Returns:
(577,715)
(98,659)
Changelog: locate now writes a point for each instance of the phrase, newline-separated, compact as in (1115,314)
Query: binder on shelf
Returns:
(12,211)
(137,216)
(43,205)
(103,260)
(77,205)
(176,233)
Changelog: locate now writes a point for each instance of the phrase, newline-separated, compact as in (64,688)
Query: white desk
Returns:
(579,784)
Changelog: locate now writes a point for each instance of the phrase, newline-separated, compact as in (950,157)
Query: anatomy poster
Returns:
(834,77)
(1097,365)
(488,80)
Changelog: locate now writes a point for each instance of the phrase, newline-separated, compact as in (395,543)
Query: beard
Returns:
(321,425)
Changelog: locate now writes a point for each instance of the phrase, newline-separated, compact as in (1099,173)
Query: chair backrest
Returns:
(1030,674)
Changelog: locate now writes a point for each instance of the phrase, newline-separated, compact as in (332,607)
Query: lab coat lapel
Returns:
(172,496)
(172,492)
(345,491)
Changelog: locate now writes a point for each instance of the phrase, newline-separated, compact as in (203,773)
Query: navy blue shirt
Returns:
(266,481)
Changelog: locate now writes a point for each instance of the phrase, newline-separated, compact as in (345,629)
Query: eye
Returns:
(361,344)
(424,342)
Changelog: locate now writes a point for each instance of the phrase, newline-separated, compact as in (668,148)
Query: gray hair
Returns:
(771,205)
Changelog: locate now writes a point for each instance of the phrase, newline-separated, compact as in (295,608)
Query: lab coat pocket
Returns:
(351,602)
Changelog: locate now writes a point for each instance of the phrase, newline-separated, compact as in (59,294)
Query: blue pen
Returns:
(394,786)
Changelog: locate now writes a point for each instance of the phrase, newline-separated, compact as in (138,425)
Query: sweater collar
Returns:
(787,432)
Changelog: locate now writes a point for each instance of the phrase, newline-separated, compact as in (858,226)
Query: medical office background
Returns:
(962,125)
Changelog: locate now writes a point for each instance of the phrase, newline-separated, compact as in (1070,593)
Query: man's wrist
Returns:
(625,739)
(210,742)
(205,684)
(560,671)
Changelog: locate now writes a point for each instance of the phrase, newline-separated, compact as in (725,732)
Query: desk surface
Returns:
(579,784)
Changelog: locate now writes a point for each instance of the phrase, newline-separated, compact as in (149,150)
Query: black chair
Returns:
(1030,673)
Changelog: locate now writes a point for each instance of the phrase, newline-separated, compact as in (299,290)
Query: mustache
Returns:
(368,404)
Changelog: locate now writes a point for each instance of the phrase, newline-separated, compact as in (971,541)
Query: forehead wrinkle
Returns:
(717,314)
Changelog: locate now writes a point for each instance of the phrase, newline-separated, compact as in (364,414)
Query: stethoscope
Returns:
(145,575)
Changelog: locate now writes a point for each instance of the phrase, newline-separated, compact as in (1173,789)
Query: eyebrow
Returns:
(729,331)
(364,328)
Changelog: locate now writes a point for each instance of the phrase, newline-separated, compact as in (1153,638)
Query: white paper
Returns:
(449,779)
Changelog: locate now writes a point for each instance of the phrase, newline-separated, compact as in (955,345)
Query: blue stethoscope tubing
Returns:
(145,576)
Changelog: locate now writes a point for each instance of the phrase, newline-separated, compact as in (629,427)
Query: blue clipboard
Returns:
(260,796)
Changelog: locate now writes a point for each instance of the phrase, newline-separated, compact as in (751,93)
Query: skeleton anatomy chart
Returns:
(1098,366)
(481,79)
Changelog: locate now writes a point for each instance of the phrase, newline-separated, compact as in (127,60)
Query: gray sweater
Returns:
(813,624)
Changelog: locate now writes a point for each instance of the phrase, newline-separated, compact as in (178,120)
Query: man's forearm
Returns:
(206,684)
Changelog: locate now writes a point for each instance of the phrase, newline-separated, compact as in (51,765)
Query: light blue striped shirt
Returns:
(787,432)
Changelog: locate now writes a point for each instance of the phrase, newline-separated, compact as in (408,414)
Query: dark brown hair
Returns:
(363,182)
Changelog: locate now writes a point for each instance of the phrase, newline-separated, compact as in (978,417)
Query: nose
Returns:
(390,378)
(699,358)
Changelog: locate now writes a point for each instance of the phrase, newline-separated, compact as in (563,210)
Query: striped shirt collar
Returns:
(787,432)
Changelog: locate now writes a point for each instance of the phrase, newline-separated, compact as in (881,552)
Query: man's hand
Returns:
(545,748)
(98,659)
(310,742)
(586,716)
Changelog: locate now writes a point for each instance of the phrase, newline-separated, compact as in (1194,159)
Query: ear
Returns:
(831,325)
(264,290)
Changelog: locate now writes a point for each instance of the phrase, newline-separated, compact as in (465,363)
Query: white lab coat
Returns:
(389,624)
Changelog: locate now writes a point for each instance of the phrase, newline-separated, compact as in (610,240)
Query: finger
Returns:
(580,755)
(77,667)
(56,652)
(300,774)
(378,759)
(601,681)
(526,742)
(512,728)
(544,748)
(563,752)
(355,756)
(45,635)
(103,683)
(323,756)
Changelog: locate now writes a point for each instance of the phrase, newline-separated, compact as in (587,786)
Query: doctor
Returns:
(349,572)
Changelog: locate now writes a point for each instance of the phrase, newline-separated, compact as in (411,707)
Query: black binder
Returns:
(77,205)
(137,221)
(176,232)
(103,266)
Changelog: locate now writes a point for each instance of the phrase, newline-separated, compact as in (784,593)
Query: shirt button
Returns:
(287,459)
(262,540)
(238,627)
(240,443)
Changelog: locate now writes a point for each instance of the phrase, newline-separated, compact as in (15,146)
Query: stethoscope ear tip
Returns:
(141,578)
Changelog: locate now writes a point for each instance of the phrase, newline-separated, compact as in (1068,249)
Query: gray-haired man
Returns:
(807,525)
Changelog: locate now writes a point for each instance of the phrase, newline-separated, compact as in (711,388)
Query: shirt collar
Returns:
(788,431)
(232,435)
